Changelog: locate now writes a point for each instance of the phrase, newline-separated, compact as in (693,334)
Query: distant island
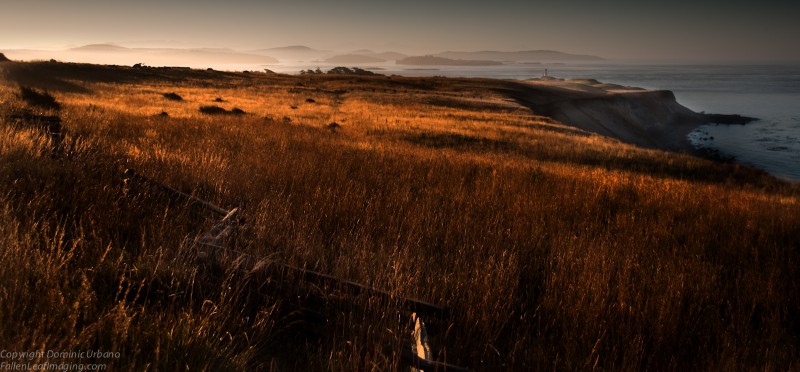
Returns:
(386,56)
(159,56)
(100,48)
(354,58)
(111,53)
(292,48)
(441,61)
(292,53)
(521,56)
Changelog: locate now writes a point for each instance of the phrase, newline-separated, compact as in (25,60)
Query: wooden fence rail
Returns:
(418,356)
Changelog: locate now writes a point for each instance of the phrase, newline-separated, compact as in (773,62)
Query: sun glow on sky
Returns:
(683,30)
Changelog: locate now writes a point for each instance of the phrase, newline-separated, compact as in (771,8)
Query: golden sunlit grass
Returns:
(552,248)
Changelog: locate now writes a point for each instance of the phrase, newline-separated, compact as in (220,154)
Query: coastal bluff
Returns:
(646,118)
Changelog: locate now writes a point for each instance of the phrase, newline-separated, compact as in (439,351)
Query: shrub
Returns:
(216,110)
(350,71)
(173,97)
(213,110)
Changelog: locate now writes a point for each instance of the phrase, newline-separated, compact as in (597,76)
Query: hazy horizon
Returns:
(619,30)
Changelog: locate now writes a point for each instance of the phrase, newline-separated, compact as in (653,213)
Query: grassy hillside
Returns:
(552,248)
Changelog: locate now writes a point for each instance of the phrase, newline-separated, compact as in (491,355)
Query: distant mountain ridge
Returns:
(293,53)
(354,58)
(386,56)
(112,53)
(441,61)
(293,48)
(100,47)
(519,56)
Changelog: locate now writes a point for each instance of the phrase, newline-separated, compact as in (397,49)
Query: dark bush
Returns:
(216,110)
(173,97)
(3,58)
(351,71)
(213,110)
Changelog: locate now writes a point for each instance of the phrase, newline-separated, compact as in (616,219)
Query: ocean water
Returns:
(770,93)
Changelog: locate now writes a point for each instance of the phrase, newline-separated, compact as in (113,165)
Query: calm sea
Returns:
(770,93)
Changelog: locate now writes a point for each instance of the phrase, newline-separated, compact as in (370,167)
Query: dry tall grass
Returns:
(551,247)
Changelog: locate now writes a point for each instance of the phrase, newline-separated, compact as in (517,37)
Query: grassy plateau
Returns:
(550,247)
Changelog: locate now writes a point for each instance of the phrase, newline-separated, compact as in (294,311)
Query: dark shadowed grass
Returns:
(459,141)
(36,98)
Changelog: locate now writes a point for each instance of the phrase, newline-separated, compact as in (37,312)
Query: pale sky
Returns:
(707,31)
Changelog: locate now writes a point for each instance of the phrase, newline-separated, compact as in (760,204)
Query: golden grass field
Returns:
(551,248)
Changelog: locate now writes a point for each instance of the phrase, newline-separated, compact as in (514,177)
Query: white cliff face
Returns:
(647,118)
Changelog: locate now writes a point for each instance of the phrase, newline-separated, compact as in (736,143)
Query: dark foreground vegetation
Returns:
(550,247)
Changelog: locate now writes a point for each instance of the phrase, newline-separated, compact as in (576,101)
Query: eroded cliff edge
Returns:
(647,118)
